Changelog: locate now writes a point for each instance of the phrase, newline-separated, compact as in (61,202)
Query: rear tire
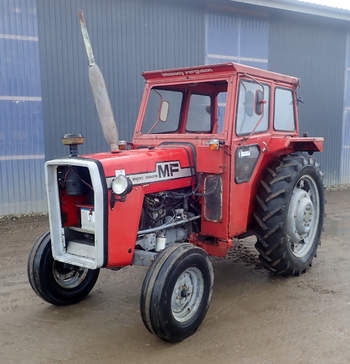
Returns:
(55,282)
(176,292)
(289,214)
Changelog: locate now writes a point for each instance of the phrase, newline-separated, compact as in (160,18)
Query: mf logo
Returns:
(167,169)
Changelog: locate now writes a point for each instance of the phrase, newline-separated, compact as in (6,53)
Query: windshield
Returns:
(186,108)
(152,123)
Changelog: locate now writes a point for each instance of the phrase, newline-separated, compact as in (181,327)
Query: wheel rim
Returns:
(187,294)
(68,276)
(303,216)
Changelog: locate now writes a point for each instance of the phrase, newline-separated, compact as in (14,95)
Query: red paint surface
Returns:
(123,223)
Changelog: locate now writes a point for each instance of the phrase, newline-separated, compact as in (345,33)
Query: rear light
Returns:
(246,159)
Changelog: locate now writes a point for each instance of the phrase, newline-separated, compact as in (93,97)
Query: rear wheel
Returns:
(289,214)
(55,282)
(176,292)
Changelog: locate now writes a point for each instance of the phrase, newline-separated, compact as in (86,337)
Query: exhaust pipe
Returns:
(100,93)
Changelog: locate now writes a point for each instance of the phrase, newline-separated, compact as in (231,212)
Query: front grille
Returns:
(76,211)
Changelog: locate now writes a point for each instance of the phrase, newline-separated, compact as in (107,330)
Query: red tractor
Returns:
(216,155)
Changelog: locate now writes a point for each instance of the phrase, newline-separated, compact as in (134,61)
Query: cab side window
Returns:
(284,118)
(248,119)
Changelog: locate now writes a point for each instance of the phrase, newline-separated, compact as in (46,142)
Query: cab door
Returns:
(251,135)
(213,157)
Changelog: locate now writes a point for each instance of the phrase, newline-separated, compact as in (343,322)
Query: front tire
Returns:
(57,283)
(289,214)
(176,292)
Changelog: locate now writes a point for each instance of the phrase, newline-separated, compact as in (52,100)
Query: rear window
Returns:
(199,114)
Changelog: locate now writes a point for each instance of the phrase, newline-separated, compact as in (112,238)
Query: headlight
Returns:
(121,185)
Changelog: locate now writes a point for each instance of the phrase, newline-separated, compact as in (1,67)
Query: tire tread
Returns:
(271,209)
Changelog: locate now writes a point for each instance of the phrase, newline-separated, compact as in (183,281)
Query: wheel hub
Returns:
(187,294)
(68,276)
(183,291)
(303,216)
(304,212)
(301,212)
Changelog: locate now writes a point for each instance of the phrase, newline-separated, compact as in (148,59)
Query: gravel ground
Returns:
(254,318)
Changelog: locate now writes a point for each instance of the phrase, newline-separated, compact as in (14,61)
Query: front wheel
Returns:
(176,292)
(55,282)
(289,214)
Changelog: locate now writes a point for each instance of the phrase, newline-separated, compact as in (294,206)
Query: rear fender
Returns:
(304,144)
(289,144)
(271,150)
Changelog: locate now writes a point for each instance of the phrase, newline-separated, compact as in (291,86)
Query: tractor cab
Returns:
(237,120)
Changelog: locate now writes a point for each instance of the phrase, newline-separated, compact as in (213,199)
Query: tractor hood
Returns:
(150,170)
(146,166)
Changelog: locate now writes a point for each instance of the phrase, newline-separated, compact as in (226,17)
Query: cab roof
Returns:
(212,70)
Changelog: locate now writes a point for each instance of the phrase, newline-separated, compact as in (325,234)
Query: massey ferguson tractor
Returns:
(216,155)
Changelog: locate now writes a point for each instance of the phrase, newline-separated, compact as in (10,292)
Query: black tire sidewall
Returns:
(46,284)
(161,315)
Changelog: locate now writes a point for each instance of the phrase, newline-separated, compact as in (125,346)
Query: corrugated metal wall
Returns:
(237,38)
(128,37)
(21,123)
(345,153)
(316,54)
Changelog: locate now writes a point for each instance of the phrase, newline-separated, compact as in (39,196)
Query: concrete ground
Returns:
(254,317)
